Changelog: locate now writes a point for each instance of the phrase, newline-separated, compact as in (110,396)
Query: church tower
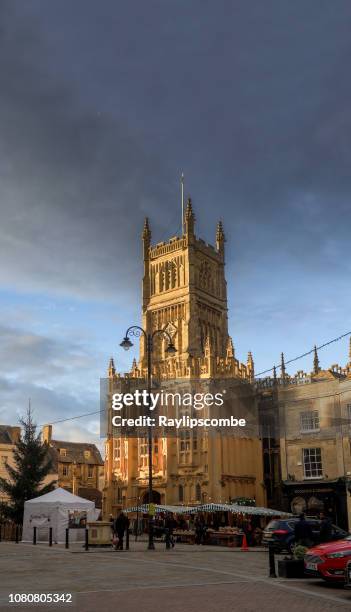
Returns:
(184,292)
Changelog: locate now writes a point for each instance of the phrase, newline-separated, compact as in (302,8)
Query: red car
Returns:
(329,560)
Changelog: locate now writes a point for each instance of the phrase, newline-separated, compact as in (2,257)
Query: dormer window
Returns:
(63,452)
(87,454)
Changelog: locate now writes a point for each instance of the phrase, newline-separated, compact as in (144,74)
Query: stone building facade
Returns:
(77,466)
(306,423)
(184,292)
(9,435)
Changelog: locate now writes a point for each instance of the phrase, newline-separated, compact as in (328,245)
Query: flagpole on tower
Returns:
(182,195)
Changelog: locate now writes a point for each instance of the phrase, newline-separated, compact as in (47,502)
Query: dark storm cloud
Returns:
(100,113)
(70,178)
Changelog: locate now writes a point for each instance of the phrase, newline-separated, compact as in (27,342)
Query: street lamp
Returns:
(126,344)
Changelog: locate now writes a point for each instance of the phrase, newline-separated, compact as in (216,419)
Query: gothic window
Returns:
(143,452)
(205,276)
(194,440)
(163,279)
(156,287)
(198,492)
(181,493)
(185,441)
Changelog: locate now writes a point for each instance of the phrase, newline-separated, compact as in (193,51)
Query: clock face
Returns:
(171,329)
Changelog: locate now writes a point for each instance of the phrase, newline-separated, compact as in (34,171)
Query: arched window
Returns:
(181,493)
(198,492)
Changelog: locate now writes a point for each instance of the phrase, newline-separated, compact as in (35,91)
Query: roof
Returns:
(59,495)
(8,434)
(75,452)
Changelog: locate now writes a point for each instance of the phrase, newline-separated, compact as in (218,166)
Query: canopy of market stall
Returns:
(234,508)
(144,509)
(239,509)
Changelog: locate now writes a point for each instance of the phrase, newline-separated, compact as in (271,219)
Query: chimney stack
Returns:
(47,434)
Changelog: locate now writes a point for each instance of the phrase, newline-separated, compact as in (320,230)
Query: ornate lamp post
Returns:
(126,343)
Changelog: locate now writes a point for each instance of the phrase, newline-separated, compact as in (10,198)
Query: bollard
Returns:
(127,539)
(0,530)
(86,539)
(17,530)
(67,538)
(167,539)
(50,536)
(34,535)
(272,573)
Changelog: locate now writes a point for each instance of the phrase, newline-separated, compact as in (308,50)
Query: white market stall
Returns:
(60,510)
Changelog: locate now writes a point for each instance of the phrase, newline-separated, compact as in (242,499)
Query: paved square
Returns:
(187,578)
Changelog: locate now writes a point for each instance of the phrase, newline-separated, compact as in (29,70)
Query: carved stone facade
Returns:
(184,292)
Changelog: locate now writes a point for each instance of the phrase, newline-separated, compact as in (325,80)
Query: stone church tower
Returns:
(184,292)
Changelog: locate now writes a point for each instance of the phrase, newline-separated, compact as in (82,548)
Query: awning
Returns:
(234,508)
(144,509)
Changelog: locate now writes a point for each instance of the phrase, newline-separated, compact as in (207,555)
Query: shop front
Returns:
(317,496)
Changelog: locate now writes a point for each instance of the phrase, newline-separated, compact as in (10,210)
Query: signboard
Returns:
(77,519)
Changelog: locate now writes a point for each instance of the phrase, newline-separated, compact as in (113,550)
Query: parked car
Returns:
(329,561)
(282,533)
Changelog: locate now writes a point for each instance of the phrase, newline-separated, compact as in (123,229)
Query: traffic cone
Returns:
(244,546)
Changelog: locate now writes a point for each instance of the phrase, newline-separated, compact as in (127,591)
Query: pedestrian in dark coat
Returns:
(325,531)
(169,526)
(303,532)
(120,526)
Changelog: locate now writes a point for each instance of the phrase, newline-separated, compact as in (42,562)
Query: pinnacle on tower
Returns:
(220,237)
(282,367)
(274,374)
(111,367)
(189,218)
(250,364)
(146,235)
(316,367)
(230,351)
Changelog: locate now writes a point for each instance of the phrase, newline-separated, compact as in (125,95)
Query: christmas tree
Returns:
(32,465)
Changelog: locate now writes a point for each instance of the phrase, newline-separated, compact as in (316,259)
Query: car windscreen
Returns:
(274,525)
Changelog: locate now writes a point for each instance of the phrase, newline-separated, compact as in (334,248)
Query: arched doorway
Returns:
(156,497)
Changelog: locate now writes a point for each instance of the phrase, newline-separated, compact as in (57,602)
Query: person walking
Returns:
(120,526)
(169,527)
(325,531)
(200,530)
(303,532)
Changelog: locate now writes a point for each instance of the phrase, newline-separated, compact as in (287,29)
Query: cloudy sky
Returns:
(102,106)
